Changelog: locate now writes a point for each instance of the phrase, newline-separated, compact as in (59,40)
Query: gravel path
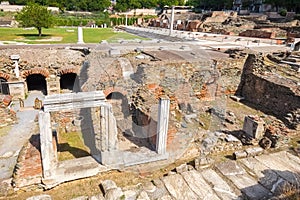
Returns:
(11,144)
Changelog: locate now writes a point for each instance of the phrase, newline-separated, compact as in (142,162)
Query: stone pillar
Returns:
(172,20)
(80,35)
(53,85)
(16,58)
(16,70)
(126,20)
(47,150)
(107,140)
(162,125)
(254,126)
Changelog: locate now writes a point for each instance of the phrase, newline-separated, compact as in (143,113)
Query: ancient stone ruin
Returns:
(144,106)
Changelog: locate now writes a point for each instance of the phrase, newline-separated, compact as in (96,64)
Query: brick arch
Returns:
(68,70)
(4,76)
(36,70)
(110,90)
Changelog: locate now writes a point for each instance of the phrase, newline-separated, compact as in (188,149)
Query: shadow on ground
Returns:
(275,185)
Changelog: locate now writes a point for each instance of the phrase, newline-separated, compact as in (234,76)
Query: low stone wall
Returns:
(28,170)
(270,92)
(257,33)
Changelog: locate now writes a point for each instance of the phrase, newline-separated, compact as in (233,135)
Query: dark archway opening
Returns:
(4,89)
(37,82)
(67,81)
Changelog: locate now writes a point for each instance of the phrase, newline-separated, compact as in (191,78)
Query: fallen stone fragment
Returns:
(231,138)
(255,151)
(182,168)
(108,185)
(114,194)
(239,154)
(143,196)
(130,195)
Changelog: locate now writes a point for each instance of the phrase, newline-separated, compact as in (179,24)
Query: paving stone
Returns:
(284,158)
(198,185)
(230,168)
(178,188)
(293,157)
(267,177)
(220,186)
(243,181)
(281,168)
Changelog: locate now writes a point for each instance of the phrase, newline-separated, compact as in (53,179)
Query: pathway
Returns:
(253,178)
(11,144)
(250,178)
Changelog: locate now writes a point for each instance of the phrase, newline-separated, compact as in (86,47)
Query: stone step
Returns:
(249,186)
(293,157)
(281,168)
(284,158)
(178,188)
(266,176)
(220,186)
(198,185)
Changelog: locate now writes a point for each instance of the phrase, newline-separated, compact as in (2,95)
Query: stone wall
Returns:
(7,116)
(257,34)
(270,92)
(49,63)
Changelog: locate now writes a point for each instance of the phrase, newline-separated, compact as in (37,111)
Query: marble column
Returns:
(80,35)
(47,150)
(172,20)
(107,140)
(162,125)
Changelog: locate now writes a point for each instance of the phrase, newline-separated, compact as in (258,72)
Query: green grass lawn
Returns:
(71,146)
(63,35)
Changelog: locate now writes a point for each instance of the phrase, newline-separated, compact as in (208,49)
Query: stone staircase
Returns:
(266,176)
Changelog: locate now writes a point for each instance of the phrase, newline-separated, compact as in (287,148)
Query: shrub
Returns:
(283,12)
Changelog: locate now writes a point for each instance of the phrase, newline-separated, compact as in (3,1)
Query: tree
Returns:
(34,15)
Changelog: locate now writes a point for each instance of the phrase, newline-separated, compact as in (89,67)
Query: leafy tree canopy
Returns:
(76,5)
(34,15)
(124,5)
(211,4)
